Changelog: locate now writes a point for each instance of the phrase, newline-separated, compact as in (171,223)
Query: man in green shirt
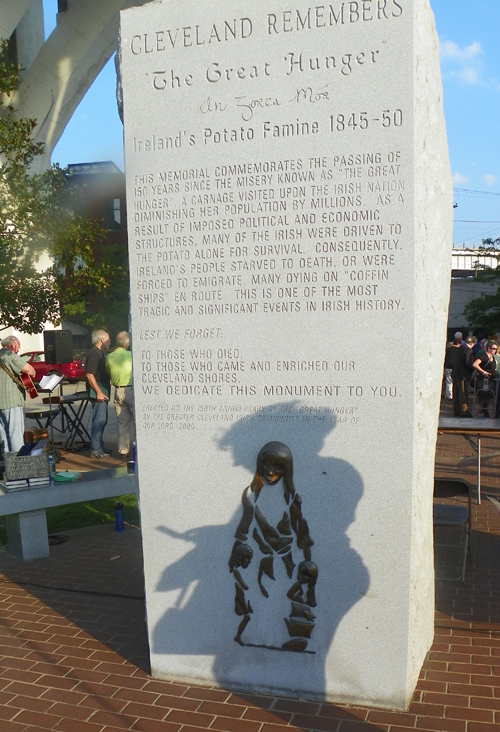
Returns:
(12,394)
(119,368)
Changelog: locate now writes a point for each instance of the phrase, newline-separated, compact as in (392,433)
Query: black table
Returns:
(42,416)
(470,428)
(72,409)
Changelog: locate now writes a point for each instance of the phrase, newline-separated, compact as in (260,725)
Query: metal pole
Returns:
(479,469)
(51,427)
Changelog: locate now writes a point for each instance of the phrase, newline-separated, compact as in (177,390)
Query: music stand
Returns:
(48,383)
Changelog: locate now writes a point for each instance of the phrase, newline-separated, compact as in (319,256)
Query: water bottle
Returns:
(119,522)
(131,463)
(52,469)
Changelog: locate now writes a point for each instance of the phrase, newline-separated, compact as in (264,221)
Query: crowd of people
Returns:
(103,369)
(472,365)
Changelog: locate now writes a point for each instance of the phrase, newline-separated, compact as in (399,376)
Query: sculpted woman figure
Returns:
(273,528)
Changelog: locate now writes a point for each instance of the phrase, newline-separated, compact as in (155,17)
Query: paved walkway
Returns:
(74,657)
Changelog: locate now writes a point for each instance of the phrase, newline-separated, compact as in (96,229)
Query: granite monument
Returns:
(289,220)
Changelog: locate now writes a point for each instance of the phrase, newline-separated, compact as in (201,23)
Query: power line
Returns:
(467,193)
(476,194)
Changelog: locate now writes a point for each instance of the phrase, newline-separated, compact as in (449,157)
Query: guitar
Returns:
(28,385)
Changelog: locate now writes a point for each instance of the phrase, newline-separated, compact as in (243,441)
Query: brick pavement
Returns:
(73,647)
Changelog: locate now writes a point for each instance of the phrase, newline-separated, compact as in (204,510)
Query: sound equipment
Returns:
(58,346)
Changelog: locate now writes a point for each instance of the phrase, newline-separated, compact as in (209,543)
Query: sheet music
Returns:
(50,381)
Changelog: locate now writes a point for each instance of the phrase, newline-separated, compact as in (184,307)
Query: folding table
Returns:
(470,428)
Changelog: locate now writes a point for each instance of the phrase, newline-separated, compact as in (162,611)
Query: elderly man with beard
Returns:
(98,389)
(12,394)
(119,368)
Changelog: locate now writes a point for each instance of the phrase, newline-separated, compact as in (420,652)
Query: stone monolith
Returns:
(289,221)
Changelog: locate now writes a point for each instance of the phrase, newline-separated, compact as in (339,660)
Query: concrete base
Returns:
(24,511)
(27,534)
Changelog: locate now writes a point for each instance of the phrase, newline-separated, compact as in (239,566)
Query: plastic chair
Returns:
(449,516)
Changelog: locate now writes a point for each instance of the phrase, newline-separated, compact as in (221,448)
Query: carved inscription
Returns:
(276,238)
(271,199)
(282,238)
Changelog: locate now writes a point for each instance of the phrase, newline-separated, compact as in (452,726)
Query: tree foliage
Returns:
(92,281)
(50,258)
(484,311)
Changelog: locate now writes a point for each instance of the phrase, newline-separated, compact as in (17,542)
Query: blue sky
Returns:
(470,65)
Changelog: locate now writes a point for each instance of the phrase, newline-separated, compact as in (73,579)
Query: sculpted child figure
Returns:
(273,528)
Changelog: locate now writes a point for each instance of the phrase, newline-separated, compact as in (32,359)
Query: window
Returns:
(113,213)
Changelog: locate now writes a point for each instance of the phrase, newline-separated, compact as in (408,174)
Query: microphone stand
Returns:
(50,390)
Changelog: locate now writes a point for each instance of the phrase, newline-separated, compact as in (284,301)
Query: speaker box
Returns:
(58,345)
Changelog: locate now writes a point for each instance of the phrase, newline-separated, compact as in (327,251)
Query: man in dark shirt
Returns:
(459,360)
(98,389)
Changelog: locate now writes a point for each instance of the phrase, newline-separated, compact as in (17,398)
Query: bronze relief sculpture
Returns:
(282,538)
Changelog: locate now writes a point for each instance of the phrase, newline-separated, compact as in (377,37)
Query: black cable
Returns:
(55,539)
(476,194)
